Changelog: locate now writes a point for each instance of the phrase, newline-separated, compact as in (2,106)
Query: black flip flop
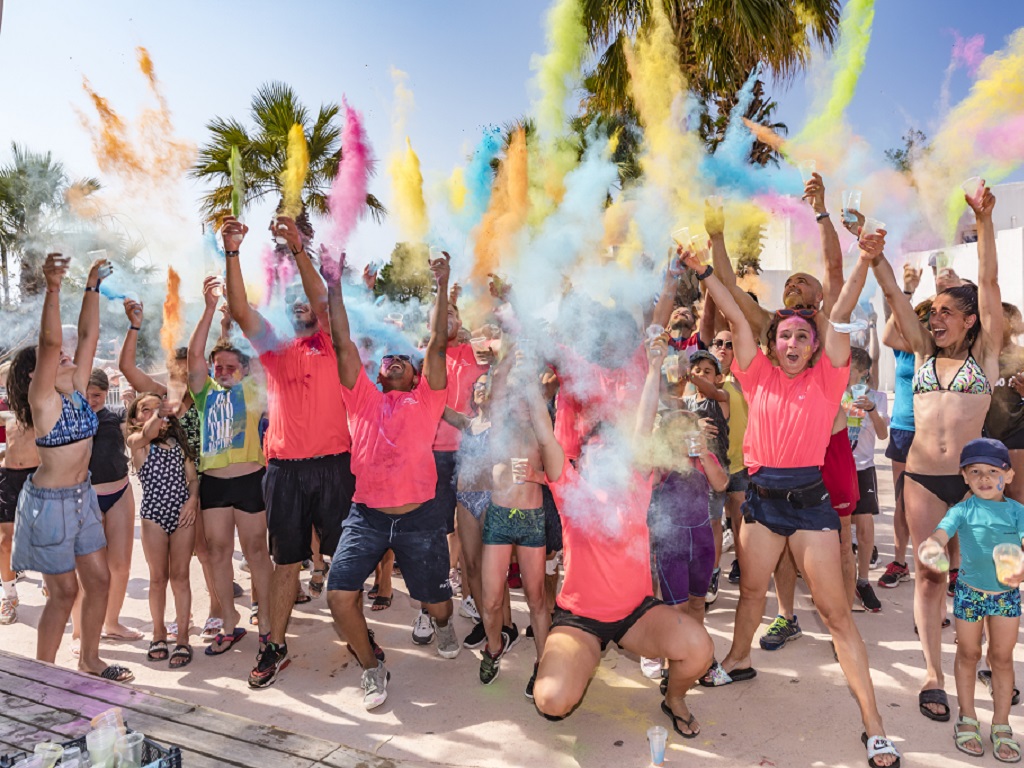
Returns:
(117,673)
(985,676)
(933,696)
(181,652)
(380,603)
(221,638)
(157,651)
(676,720)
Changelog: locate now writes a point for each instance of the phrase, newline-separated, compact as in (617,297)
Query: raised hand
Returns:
(441,268)
(133,309)
(285,227)
(911,277)
(871,246)
(233,232)
(714,218)
(657,349)
(814,193)
(54,269)
(689,258)
(212,290)
(983,204)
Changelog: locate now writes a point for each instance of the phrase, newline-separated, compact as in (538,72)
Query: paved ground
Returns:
(796,712)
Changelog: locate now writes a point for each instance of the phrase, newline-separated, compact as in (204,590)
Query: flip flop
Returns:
(212,628)
(380,603)
(157,651)
(181,652)
(985,676)
(220,639)
(879,745)
(302,598)
(714,679)
(933,696)
(131,635)
(373,591)
(677,719)
(117,674)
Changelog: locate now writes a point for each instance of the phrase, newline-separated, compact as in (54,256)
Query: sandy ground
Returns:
(796,712)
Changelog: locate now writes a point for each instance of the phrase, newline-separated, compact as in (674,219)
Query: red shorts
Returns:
(840,474)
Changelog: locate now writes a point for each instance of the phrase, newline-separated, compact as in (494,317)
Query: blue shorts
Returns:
(900,441)
(970,604)
(53,526)
(784,517)
(419,540)
(523,527)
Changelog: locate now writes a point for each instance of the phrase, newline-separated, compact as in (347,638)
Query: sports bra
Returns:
(969,380)
(76,422)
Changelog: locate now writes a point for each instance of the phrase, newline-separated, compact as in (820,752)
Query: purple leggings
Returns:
(684,562)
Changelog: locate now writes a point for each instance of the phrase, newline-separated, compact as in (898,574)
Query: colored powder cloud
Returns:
(404,168)
(170,331)
(347,200)
(296,168)
(969,52)
(506,214)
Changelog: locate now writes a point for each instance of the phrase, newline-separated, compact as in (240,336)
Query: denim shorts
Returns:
(523,527)
(419,540)
(970,604)
(53,526)
(739,481)
(781,516)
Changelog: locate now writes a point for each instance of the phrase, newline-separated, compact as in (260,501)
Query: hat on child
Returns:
(985,450)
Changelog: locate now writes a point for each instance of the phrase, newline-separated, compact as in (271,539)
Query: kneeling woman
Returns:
(793,400)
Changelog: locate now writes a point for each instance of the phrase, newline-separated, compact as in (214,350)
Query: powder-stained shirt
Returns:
(229,423)
(463,371)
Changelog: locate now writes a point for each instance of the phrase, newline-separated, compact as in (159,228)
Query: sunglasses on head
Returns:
(386,360)
(719,343)
(806,314)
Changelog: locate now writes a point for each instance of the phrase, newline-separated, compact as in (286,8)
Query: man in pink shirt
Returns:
(392,434)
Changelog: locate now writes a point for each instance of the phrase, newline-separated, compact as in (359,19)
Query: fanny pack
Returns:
(801,498)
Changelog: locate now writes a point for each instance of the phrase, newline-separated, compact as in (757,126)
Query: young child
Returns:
(867,418)
(984,519)
(170,499)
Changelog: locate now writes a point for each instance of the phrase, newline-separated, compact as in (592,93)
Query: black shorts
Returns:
(444,491)
(244,493)
(867,481)
(899,445)
(303,494)
(11,483)
(605,631)
(552,522)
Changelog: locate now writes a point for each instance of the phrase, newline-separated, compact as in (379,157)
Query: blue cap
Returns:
(985,450)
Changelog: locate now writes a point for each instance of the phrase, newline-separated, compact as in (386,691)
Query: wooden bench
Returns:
(43,702)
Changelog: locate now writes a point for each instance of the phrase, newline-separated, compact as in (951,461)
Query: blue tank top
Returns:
(903,402)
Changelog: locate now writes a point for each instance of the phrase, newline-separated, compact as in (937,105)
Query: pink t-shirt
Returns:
(589,394)
(391,437)
(789,421)
(606,546)
(304,406)
(463,371)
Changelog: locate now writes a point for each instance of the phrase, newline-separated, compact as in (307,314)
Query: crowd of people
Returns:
(626,446)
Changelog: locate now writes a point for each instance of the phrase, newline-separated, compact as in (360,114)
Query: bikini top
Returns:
(77,422)
(969,380)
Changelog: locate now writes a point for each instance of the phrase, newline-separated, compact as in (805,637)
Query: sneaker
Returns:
(307,565)
(476,637)
(894,574)
(268,664)
(423,629)
(491,665)
(468,610)
(780,632)
(515,580)
(455,580)
(650,668)
(727,540)
(953,573)
(868,598)
(511,636)
(529,685)
(529,631)
(377,650)
(8,610)
(375,686)
(734,572)
(874,557)
(712,594)
(19,575)
(447,643)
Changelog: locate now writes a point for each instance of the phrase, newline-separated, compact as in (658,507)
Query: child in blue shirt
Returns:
(983,520)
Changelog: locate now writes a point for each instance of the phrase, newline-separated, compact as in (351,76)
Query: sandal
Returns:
(879,745)
(934,696)
(221,639)
(712,678)
(212,628)
(1004,741)
(985,676)
(374,590)
(677,719)
(316,588)
(254,614)
(117,674)
(181,652)
(157,651)
(302,598)
(961,737)
(380,603)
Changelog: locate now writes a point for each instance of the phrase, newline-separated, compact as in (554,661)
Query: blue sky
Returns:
(468,66)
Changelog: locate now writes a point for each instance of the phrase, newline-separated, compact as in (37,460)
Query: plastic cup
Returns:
(671,369)
(806,168)
(937,559)
(1008,559)
(436,252)
(973,187)
(519,469)
(658,737)
(851,199)
(871,226)
(396,318)
(50,753)
(100,744)
(654,331)
(682,236)
(694,446)
(479,343)
(858,391)
(277,228)
(112,717)
(129,750)
(942,261)
(72,756)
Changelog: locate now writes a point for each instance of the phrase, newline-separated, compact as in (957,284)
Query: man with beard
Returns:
(309,481)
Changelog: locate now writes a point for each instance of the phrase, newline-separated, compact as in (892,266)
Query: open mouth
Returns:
(793,357)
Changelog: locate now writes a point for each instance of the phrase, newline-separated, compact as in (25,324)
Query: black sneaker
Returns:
(490,665)
(529,631)
(268,664)
(530,684)
(477,637)
(874,556)
(712,594)
(511,635)
(734,572)
(868,598)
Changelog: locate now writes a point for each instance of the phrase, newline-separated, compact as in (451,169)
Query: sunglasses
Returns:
(387,359)
(806,314)
(719,343)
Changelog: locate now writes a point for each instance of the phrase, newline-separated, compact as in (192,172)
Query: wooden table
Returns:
(43,702)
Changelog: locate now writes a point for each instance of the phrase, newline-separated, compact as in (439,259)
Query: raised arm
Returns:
(198,370)
(814,194)
(708,316)
(139,380)
(656,351)
(757,317)
(48,354)
(904,318)
(435,366)
(551,452)
(667,298)
(873,349)
(837,342)
(312,285)
(345,349)
(89,324)
(990,308)
(249,320)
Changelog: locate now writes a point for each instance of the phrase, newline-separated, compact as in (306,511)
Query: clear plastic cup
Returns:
(851,199)
(112,718)
(654,331)
(935,557)
(480,343)
(671,369)
(277,228)
(50,752)
(942,261)
(519,469)
(682,236)
(1008,559)
(129,750)
(871,226)
(72,756)
(858,391)
(806,168)
(395,318)
(101,743)
(694,446)
(658,738)
(974,188)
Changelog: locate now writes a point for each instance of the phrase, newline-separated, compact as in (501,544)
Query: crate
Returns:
(153,755)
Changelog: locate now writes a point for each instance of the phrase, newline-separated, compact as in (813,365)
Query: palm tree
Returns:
(36,196)
(760,111)
(275,108)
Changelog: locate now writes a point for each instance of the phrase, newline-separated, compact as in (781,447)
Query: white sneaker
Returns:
(467,609)
(455,580)
(650,668)
(448,645)
(423,629)
(375,686)
(727,540)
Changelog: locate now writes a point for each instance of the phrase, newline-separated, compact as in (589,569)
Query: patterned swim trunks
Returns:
(971,604)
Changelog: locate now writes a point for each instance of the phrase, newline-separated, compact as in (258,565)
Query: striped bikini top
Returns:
(969,380)
(77,422)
